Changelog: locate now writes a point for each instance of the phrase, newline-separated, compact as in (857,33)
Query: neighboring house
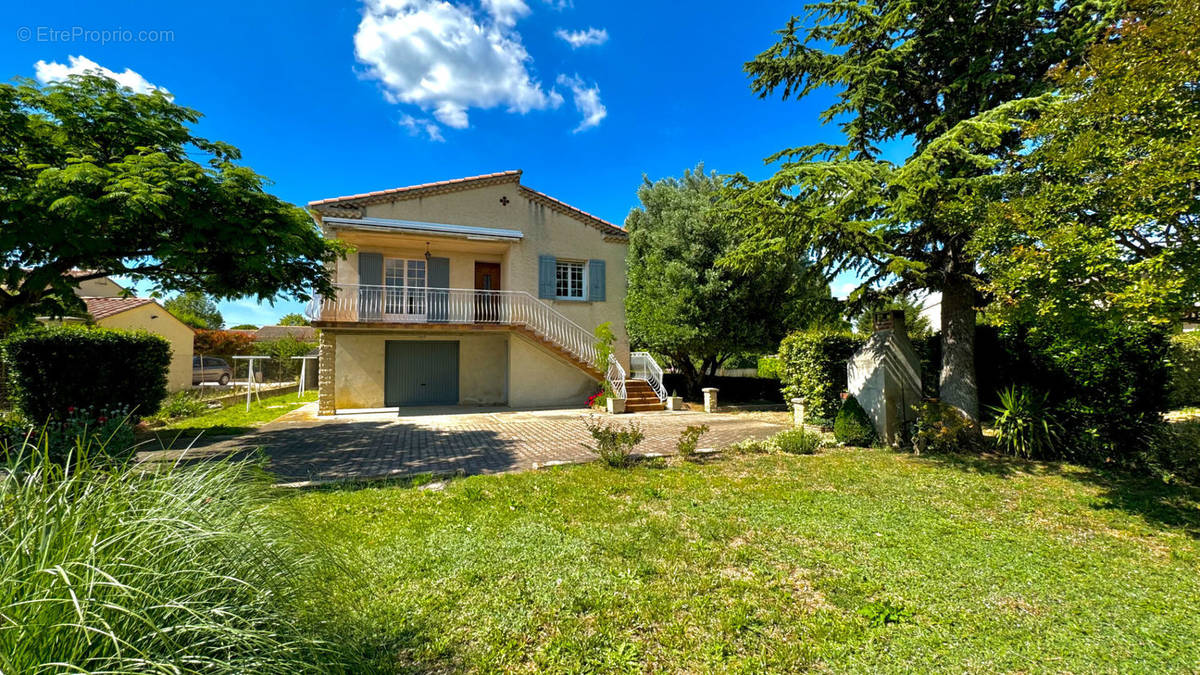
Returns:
(301,333)
(146,314)
(470,291)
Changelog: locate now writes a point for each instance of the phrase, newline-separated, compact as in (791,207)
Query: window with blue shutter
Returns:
(596,285)
(546,277)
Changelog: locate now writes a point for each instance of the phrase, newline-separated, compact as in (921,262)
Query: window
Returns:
(405,286)
(569,279)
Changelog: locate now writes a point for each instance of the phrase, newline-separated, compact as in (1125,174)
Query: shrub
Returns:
(1025,424)
(1175,451)
(940,427)
(852,426)
(282,367)
(770,367)
(599,399)
(182,404)
(50,370)
(1183,355)
(813,364)
(798,442)
(689,439)
(614,444)
(110,568)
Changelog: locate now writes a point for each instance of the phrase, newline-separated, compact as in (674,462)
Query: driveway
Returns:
(303,447)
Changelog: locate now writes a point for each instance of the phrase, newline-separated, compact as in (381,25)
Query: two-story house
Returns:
(475,291)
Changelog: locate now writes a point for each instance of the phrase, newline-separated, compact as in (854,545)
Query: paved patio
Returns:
(302,447)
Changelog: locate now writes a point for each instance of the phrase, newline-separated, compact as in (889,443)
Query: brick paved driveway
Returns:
(303,447)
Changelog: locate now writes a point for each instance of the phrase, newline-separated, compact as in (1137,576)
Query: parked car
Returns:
(211,369)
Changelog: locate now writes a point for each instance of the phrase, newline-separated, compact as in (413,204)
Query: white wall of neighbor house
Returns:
(102,287)
(547,232)
(360,365)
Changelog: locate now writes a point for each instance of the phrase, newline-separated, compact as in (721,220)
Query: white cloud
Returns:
(587,101)
(583,38)
(52,71)
(417,125)
(448,58)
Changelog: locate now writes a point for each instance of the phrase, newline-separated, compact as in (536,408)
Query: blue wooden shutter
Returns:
(370,278)
(438,271)
(596,283)
(546,276)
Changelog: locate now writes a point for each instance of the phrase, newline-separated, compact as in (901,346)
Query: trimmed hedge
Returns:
(853,426)
(733,389)
(54,371)
(1184,357)
(813,366)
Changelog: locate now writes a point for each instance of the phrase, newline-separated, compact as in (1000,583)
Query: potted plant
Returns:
(674,401)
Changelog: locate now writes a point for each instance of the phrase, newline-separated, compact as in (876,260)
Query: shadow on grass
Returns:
(1174,505)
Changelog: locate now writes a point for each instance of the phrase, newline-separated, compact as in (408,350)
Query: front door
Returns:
(420,372)
(487,305)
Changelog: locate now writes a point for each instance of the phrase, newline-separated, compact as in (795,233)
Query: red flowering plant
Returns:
(598,399)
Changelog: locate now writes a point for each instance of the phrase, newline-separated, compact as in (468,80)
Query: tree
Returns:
(101,180)
(196,310)
(919,72)
(1100,228)
(697,315)
(916,323)
(244,326)
(293,319)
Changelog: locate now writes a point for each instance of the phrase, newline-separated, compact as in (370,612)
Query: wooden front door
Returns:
(487,305)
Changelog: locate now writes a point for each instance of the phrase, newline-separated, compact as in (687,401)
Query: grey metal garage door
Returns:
(420,373)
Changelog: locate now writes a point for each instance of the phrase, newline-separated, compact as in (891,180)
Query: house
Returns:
(475,291)
(110,306)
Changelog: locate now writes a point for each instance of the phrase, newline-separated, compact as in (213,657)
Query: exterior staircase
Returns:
(640,397)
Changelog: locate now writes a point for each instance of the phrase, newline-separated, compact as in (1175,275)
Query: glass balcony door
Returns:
(405,293)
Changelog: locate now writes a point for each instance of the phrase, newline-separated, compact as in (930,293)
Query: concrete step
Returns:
(644,407)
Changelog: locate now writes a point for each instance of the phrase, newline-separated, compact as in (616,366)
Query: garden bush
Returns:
(108,372)
(1175,452)
(770,367)
(814,367)
(798,442)
(852,426)
(942,428)
(112,568)
(1184,357)
(689,439)
(1025,424)
(282,366)
(614,444)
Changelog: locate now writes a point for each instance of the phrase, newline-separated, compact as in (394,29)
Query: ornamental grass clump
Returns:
(111,567)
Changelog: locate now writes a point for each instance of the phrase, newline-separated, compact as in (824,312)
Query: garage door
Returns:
(420,373)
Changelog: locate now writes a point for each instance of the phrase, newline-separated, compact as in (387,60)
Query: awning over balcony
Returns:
(417,227)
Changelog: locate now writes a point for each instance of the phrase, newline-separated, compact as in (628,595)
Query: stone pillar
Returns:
(798,412)
(710,399)
(326,403)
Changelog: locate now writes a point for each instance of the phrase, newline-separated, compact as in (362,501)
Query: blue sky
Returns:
(328,99)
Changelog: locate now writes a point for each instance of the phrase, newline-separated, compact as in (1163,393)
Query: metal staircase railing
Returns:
(643,367)
(407,304)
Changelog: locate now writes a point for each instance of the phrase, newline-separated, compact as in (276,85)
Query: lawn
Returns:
(231,420)
(857,560)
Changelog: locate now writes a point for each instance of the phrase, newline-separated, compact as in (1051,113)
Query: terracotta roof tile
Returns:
(413,188)
(101,308)
(301,333)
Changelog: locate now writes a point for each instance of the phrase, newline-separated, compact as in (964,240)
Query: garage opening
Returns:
(420,373)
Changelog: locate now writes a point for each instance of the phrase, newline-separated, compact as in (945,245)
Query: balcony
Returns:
(357,305)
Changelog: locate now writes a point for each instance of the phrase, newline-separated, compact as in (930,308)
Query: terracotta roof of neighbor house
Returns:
(100,308)
(343,206)
(301,333)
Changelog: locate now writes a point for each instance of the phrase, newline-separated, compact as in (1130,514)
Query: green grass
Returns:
(231,420)
(852,560)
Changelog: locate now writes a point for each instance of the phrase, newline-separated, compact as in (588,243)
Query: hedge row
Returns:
(1184,357)
(52,372)
(732,389)
(813,366)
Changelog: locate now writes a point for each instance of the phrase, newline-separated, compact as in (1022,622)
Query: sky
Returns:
(329,99)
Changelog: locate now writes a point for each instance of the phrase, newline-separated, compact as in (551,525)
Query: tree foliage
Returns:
(196,310)
(1100,228)
(293,319)
(685,307)
(924,72)
(98,178)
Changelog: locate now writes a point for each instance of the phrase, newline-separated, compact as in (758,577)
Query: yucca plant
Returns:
(1025,424)
(111,567)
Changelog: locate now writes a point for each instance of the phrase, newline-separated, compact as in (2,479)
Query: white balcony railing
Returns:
(399,304)
(642,366)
